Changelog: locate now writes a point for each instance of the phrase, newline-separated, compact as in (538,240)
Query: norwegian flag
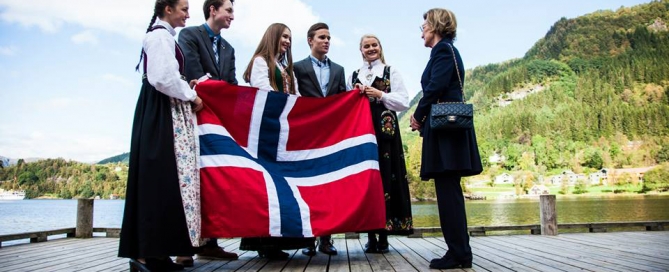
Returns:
(286,166)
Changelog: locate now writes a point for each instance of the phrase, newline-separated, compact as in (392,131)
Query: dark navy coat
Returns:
(445,153)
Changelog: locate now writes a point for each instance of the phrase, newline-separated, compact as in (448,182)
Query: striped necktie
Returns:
(216,48)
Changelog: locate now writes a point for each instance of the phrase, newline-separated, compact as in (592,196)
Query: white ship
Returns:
(12,195)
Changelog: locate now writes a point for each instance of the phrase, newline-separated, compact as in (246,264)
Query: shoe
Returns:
(186,261)
(382,248)
(310,251)
(327,247)
(136,266)
(273,254)
(371,248)
(446,256)
(450,263)
(216,253)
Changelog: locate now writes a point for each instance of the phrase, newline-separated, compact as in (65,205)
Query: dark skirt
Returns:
(275,243)
(449,153)
(393,170)
(154,224)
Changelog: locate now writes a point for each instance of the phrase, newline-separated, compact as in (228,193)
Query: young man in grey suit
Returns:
(318,76)
(207,53)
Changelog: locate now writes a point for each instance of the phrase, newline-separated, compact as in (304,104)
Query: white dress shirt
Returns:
(260,76)
(398,98)
(162,68)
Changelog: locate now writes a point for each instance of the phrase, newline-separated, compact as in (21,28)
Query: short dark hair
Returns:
(316,27)
(216,3)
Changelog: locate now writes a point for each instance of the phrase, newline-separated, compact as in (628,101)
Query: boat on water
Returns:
(12,195)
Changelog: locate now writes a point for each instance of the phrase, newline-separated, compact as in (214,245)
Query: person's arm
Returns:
(260,75)
(162,68)
(189,46)
(441,72)
(398,98)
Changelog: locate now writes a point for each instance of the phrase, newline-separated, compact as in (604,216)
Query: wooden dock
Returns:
(617,251)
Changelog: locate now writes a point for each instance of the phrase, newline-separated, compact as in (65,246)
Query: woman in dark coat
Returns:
(447,155)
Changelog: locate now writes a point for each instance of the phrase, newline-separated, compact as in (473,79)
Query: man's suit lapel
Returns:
(206,42)
(333,85)
(309,67)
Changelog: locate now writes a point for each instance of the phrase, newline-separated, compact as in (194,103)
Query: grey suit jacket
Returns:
(199,55)
(308,83)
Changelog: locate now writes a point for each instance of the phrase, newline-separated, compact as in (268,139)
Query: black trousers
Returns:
(452,217)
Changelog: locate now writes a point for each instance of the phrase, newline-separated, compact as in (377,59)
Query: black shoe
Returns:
(450,263)
(327,247)
(310,251)
(371,248)
(446,256)
(136,266)
(382,247)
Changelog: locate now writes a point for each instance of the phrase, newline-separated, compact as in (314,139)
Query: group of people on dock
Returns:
(163,149)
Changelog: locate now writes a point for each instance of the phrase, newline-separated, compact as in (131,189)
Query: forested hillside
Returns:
(592,93)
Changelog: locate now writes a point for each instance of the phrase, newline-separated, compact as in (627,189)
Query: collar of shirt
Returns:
(211,32)
(166,25)
(325,62)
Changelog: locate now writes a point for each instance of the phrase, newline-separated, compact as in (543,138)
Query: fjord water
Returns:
(38,215)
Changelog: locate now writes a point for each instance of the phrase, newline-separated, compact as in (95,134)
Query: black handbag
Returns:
(452,115)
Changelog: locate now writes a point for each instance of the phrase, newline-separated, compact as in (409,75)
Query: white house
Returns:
(504,178)
(538,190)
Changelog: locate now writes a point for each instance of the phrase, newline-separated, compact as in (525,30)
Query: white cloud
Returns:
(85,37)
(8,50)
(130,18)
(252,17)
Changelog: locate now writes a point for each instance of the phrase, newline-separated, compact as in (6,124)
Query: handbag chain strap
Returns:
(459,80)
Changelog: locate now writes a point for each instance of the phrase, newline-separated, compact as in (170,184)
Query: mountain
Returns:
(122,158)
(593,93)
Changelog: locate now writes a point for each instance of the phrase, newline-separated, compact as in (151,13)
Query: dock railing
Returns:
(548,225)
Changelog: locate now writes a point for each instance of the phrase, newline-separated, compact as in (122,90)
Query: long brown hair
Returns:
(269,49)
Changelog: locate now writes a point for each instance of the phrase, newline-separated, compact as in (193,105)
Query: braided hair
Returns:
(158,12)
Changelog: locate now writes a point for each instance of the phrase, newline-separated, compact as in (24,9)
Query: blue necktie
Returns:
(216,48)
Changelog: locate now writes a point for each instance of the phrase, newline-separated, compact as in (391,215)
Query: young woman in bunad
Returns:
(384,86)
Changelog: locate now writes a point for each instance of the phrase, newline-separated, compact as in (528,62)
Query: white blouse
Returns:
(398,98)
(260,76)
(162,68)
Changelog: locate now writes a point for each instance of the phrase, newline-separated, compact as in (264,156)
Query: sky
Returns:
(68,87)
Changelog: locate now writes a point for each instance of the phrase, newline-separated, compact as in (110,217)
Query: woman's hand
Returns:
(359,87)
(414,124)
(192,83)
(372,92)
(197,104)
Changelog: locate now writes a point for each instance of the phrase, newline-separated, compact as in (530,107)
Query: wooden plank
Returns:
(356,256)
(204,264)
(627,250)
(334,263)
(377,261)
(519,256)
(602,253)
(278,265)
(552,260)
(625,243)
(576,256)
(117,265)
(412,257)
(52,244)
(299,262)
(35,234)
(38,254)
(492,255)
(394,257)
(39,259)
(479,264)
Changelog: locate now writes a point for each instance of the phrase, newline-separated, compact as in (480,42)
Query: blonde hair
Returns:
(442,22)
(268,49)
(383,59)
